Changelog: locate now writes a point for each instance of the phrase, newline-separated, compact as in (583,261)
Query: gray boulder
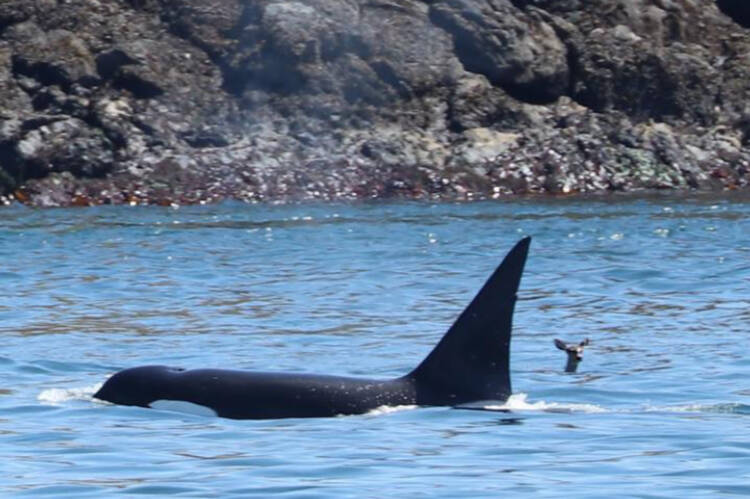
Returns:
(165,101)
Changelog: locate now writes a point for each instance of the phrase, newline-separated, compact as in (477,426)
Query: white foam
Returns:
(519,402)
(56,396)
(184,407)
(727,407)
(676,408)
(390,409)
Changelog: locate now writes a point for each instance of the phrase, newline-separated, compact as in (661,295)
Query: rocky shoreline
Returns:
(172,102)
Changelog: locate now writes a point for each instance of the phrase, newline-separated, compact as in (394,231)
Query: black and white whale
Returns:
(469,364)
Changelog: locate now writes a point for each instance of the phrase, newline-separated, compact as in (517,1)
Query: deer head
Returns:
(574,351)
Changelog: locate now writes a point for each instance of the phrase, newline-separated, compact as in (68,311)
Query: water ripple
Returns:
(658,405)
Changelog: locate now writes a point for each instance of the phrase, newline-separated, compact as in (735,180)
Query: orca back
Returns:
(469,364)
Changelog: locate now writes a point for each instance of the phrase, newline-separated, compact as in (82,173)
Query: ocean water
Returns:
(659,407)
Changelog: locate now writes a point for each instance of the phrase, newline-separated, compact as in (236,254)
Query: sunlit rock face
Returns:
(164,102)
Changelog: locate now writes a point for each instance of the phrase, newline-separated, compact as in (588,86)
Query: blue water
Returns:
(660,406)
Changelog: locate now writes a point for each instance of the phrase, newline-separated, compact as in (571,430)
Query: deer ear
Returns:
(559,344)
(585,342)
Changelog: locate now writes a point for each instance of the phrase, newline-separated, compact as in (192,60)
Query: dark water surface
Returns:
(660,406)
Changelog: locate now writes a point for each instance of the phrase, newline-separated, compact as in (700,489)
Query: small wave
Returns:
(519,402)
(389,409)
(721,408)
(59,395)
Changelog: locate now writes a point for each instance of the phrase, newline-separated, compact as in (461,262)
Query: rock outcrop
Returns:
(173,101)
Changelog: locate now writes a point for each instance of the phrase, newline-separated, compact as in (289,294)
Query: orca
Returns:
(469,364)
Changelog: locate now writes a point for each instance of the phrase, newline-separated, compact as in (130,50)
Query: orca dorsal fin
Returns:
(472,361)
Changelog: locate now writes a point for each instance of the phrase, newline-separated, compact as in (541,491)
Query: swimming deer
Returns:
(575,353)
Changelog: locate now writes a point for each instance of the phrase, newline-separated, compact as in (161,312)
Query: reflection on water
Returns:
(659,284)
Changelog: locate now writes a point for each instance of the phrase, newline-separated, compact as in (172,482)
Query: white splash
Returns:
(390,409)
(518,402)
(727,407)
(56,396)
